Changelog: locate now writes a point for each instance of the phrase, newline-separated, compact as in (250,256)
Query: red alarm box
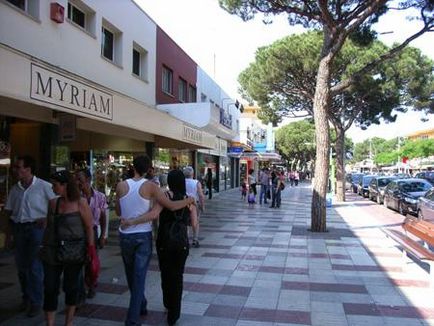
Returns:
(57,12)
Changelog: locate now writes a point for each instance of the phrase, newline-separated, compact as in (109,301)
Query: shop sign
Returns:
(223,147)
(225,118)
(51,87)
(192,135)
(235,150)
(67,127)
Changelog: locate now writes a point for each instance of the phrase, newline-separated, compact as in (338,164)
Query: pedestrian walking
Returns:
(291,178)
(251,198)
(97,202)
(251,179)
(275,189)
(194,189)
(296,178)
(265,186)
(172,260)
(243,189)
(133,198)
(68,240)
(208,180)
(27,208)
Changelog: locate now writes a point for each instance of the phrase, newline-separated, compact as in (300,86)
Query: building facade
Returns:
(78,88)
(188,93)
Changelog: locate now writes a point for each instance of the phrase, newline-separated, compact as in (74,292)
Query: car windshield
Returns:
(414,186)
(383,182)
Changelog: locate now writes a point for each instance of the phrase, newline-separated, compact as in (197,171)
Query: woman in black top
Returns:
(172,261)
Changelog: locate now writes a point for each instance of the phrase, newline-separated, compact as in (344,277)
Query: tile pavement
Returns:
(260,266)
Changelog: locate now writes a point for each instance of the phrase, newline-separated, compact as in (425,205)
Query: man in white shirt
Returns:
(194,189)
(27,207)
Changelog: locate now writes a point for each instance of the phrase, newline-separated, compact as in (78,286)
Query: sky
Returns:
(223,45)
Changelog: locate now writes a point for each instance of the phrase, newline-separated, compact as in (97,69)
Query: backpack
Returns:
(172,231)
(177,237)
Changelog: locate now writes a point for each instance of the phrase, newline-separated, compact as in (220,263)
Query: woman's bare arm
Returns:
(86,217)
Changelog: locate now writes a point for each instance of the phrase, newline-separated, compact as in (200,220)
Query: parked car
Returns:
(425,206)
(403,194)
(355,178)
(427,175)
(402,175)
(363,186)
(377,186)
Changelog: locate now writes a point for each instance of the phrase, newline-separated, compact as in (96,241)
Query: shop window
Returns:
(140,62)
(182,90)
(191,94)
(167,80)
(30,7)
(80,15)
(111,43)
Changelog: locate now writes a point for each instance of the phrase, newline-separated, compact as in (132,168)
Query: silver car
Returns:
(425,206)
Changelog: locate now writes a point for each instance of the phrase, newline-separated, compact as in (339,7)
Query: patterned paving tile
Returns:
(236,290)
(324,287)
(366,268)
(387,310)
(223,311)
(202,287)
(112,288)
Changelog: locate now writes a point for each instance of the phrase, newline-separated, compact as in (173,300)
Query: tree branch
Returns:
(350,81)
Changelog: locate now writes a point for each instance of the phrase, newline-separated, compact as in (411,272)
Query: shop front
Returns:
(68,122)
(219,163)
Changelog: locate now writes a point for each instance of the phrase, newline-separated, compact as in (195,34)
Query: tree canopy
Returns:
(296,142)
(282,81)
(388,152)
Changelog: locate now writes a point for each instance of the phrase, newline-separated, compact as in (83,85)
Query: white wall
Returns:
(207,86)
(69,47)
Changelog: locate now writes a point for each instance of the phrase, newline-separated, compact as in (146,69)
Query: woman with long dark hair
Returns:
(172,261)
(69,222)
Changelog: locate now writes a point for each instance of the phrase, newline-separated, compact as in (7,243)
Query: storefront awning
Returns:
(272,157)
(205,116)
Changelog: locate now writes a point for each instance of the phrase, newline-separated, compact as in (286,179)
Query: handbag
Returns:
(282,185)
(92,268)
(71,251)
(177,238)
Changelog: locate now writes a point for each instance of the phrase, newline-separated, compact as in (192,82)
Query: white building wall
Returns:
(209,91)
(69,47)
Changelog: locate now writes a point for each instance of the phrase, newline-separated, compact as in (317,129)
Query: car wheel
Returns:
(419,215)
(401,209)
(379,199)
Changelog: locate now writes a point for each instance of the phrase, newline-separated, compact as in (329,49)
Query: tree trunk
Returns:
(322,138)
(340,161)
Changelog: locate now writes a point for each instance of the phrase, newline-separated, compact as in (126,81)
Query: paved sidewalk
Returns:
(260,266)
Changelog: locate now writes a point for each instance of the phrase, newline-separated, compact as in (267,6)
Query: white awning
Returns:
(270,157)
